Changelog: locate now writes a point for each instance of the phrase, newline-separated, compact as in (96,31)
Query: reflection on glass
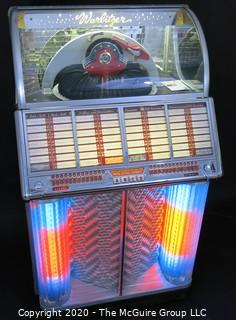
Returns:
(74,55)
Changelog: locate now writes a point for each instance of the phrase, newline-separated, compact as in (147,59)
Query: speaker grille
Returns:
(95,238)
(144,215)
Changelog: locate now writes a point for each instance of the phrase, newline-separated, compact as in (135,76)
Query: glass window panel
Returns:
(90,54)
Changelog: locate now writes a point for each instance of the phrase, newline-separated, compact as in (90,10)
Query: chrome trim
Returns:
(17,60)
(89,7)
(123,136)
(98,102)
(119,187)
(169,131)
(215,136)
(22,155)
(75,137)
(28,166)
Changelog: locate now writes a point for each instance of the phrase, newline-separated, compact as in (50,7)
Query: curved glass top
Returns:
(70,54)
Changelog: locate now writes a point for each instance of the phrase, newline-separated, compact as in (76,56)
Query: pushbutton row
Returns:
(78,174)
(127,179)
(167,168)
(76,180)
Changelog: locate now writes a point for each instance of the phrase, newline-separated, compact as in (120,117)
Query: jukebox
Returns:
(117,143)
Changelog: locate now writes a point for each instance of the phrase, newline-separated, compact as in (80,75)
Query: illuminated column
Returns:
(184,211)
(49,223)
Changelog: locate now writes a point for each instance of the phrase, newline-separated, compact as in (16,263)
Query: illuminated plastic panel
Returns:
(145,211)
(146,133)
(77,247)
(50,232)
(95,231)
(50,136)
(50,141)
(185,205)
(99,139)
(103,245)
(190,130)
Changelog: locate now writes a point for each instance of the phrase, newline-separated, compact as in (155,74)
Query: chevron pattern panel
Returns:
(144,215)
(95,238)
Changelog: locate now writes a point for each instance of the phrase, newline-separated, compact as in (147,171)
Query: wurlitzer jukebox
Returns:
(117,142)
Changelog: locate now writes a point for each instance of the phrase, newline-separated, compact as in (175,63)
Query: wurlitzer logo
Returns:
(104,18)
